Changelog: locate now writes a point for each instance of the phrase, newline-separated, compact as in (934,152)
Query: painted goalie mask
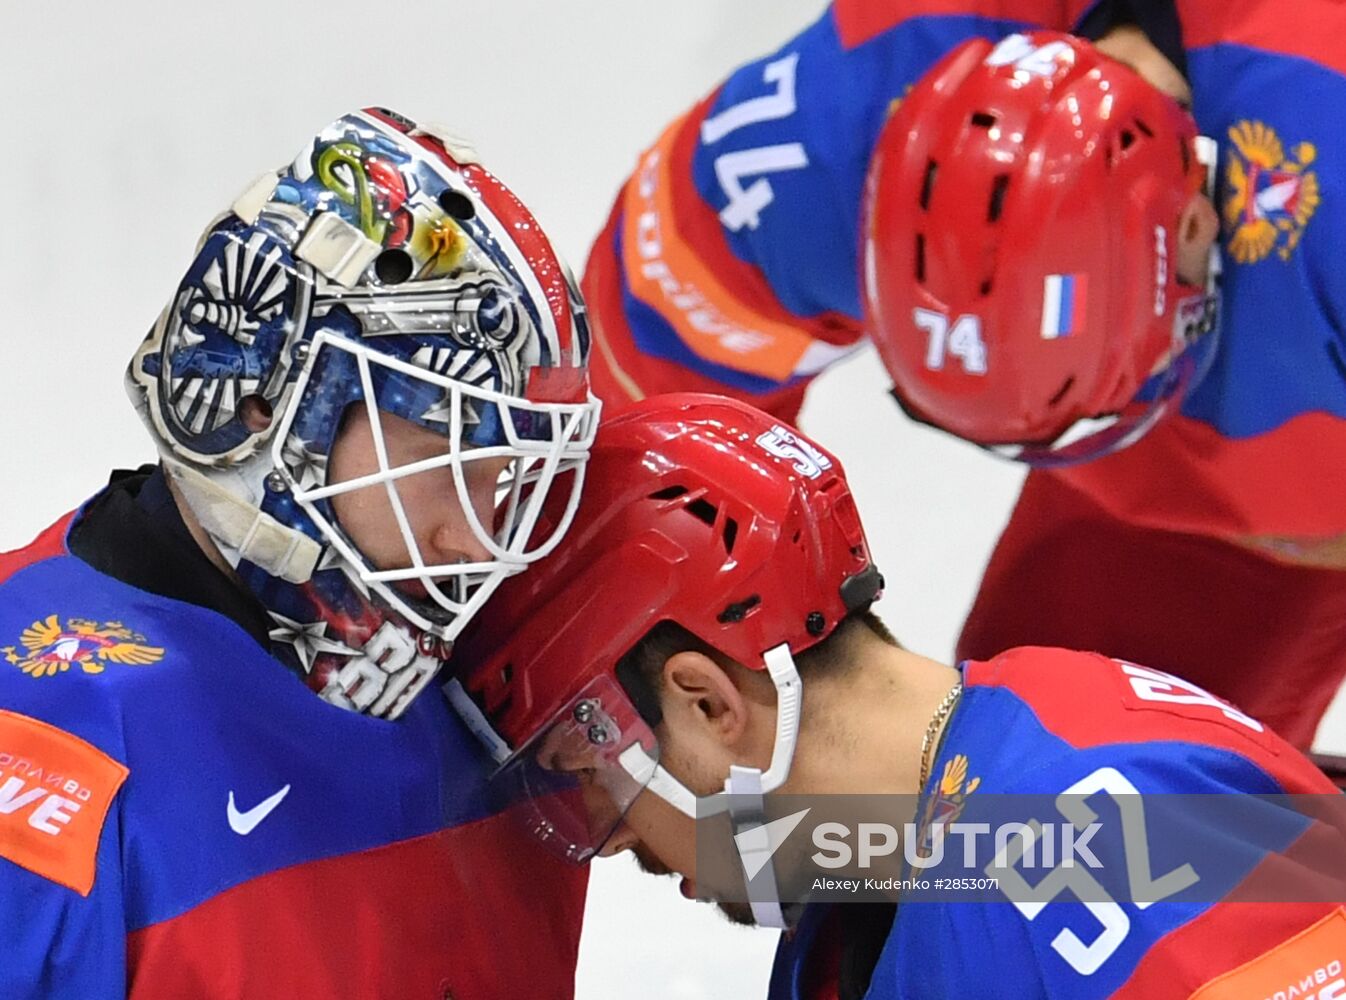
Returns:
(383,275)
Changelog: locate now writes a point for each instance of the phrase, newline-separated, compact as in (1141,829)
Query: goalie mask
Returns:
(383,278)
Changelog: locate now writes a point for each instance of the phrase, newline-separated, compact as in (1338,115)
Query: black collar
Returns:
(132,531)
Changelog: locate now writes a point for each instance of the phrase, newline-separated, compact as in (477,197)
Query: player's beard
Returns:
(735,913)
(649,864)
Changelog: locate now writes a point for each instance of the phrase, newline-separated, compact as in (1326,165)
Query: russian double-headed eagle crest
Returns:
(946,805)
(1270,194)
(49,648)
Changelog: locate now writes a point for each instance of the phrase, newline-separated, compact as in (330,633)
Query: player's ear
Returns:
(1198,228)
(700,697)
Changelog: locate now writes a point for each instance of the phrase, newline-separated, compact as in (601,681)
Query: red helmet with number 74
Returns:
(1020,250)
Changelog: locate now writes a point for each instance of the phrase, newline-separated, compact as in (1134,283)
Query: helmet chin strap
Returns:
(244,532)
(744,792)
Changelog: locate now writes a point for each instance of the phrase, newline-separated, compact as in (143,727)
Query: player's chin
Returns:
(737,913)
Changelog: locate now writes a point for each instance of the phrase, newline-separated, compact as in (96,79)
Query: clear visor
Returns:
(575,779)
(457,477)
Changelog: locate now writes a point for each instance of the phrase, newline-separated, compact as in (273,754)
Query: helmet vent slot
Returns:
(1144,129)
(668,493)
(706,512)
(920,258)
(1126,138)
(702,510)
(983,119)
(998,189)
(1061,392)
(730,534)
(928,183)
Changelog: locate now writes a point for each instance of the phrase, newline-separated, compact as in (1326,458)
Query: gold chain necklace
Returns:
(928,743)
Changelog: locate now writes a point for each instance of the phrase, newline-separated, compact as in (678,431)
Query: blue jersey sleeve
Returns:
(61,837)
(58,944)
(730,261)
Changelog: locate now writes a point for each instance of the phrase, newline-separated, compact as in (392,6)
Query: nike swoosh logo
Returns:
(243,823)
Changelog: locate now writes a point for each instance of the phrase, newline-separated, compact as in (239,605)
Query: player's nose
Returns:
(453,540)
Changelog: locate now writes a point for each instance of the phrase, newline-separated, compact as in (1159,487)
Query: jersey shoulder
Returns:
(67,635)
(73,639)
(1130,712)
(1135,822)
(96,657)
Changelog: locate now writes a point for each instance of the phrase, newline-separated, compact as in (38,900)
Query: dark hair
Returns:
(640,670)
(1158,19)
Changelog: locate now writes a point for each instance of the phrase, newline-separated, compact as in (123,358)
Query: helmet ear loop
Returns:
(744,790)
(1203,167)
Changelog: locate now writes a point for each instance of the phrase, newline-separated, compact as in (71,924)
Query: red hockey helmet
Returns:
(698,510)
(1020,249)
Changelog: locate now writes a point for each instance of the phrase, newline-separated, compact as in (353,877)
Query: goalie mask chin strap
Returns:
(244,532)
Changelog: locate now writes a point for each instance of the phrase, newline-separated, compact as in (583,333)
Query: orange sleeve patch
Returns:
(55,791)
(669,276)
(1310,965)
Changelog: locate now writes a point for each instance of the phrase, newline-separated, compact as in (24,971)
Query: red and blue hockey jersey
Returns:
(729,263)
(180,816)
(1039,722)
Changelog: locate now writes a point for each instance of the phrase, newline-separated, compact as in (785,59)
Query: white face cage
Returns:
(454,591)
